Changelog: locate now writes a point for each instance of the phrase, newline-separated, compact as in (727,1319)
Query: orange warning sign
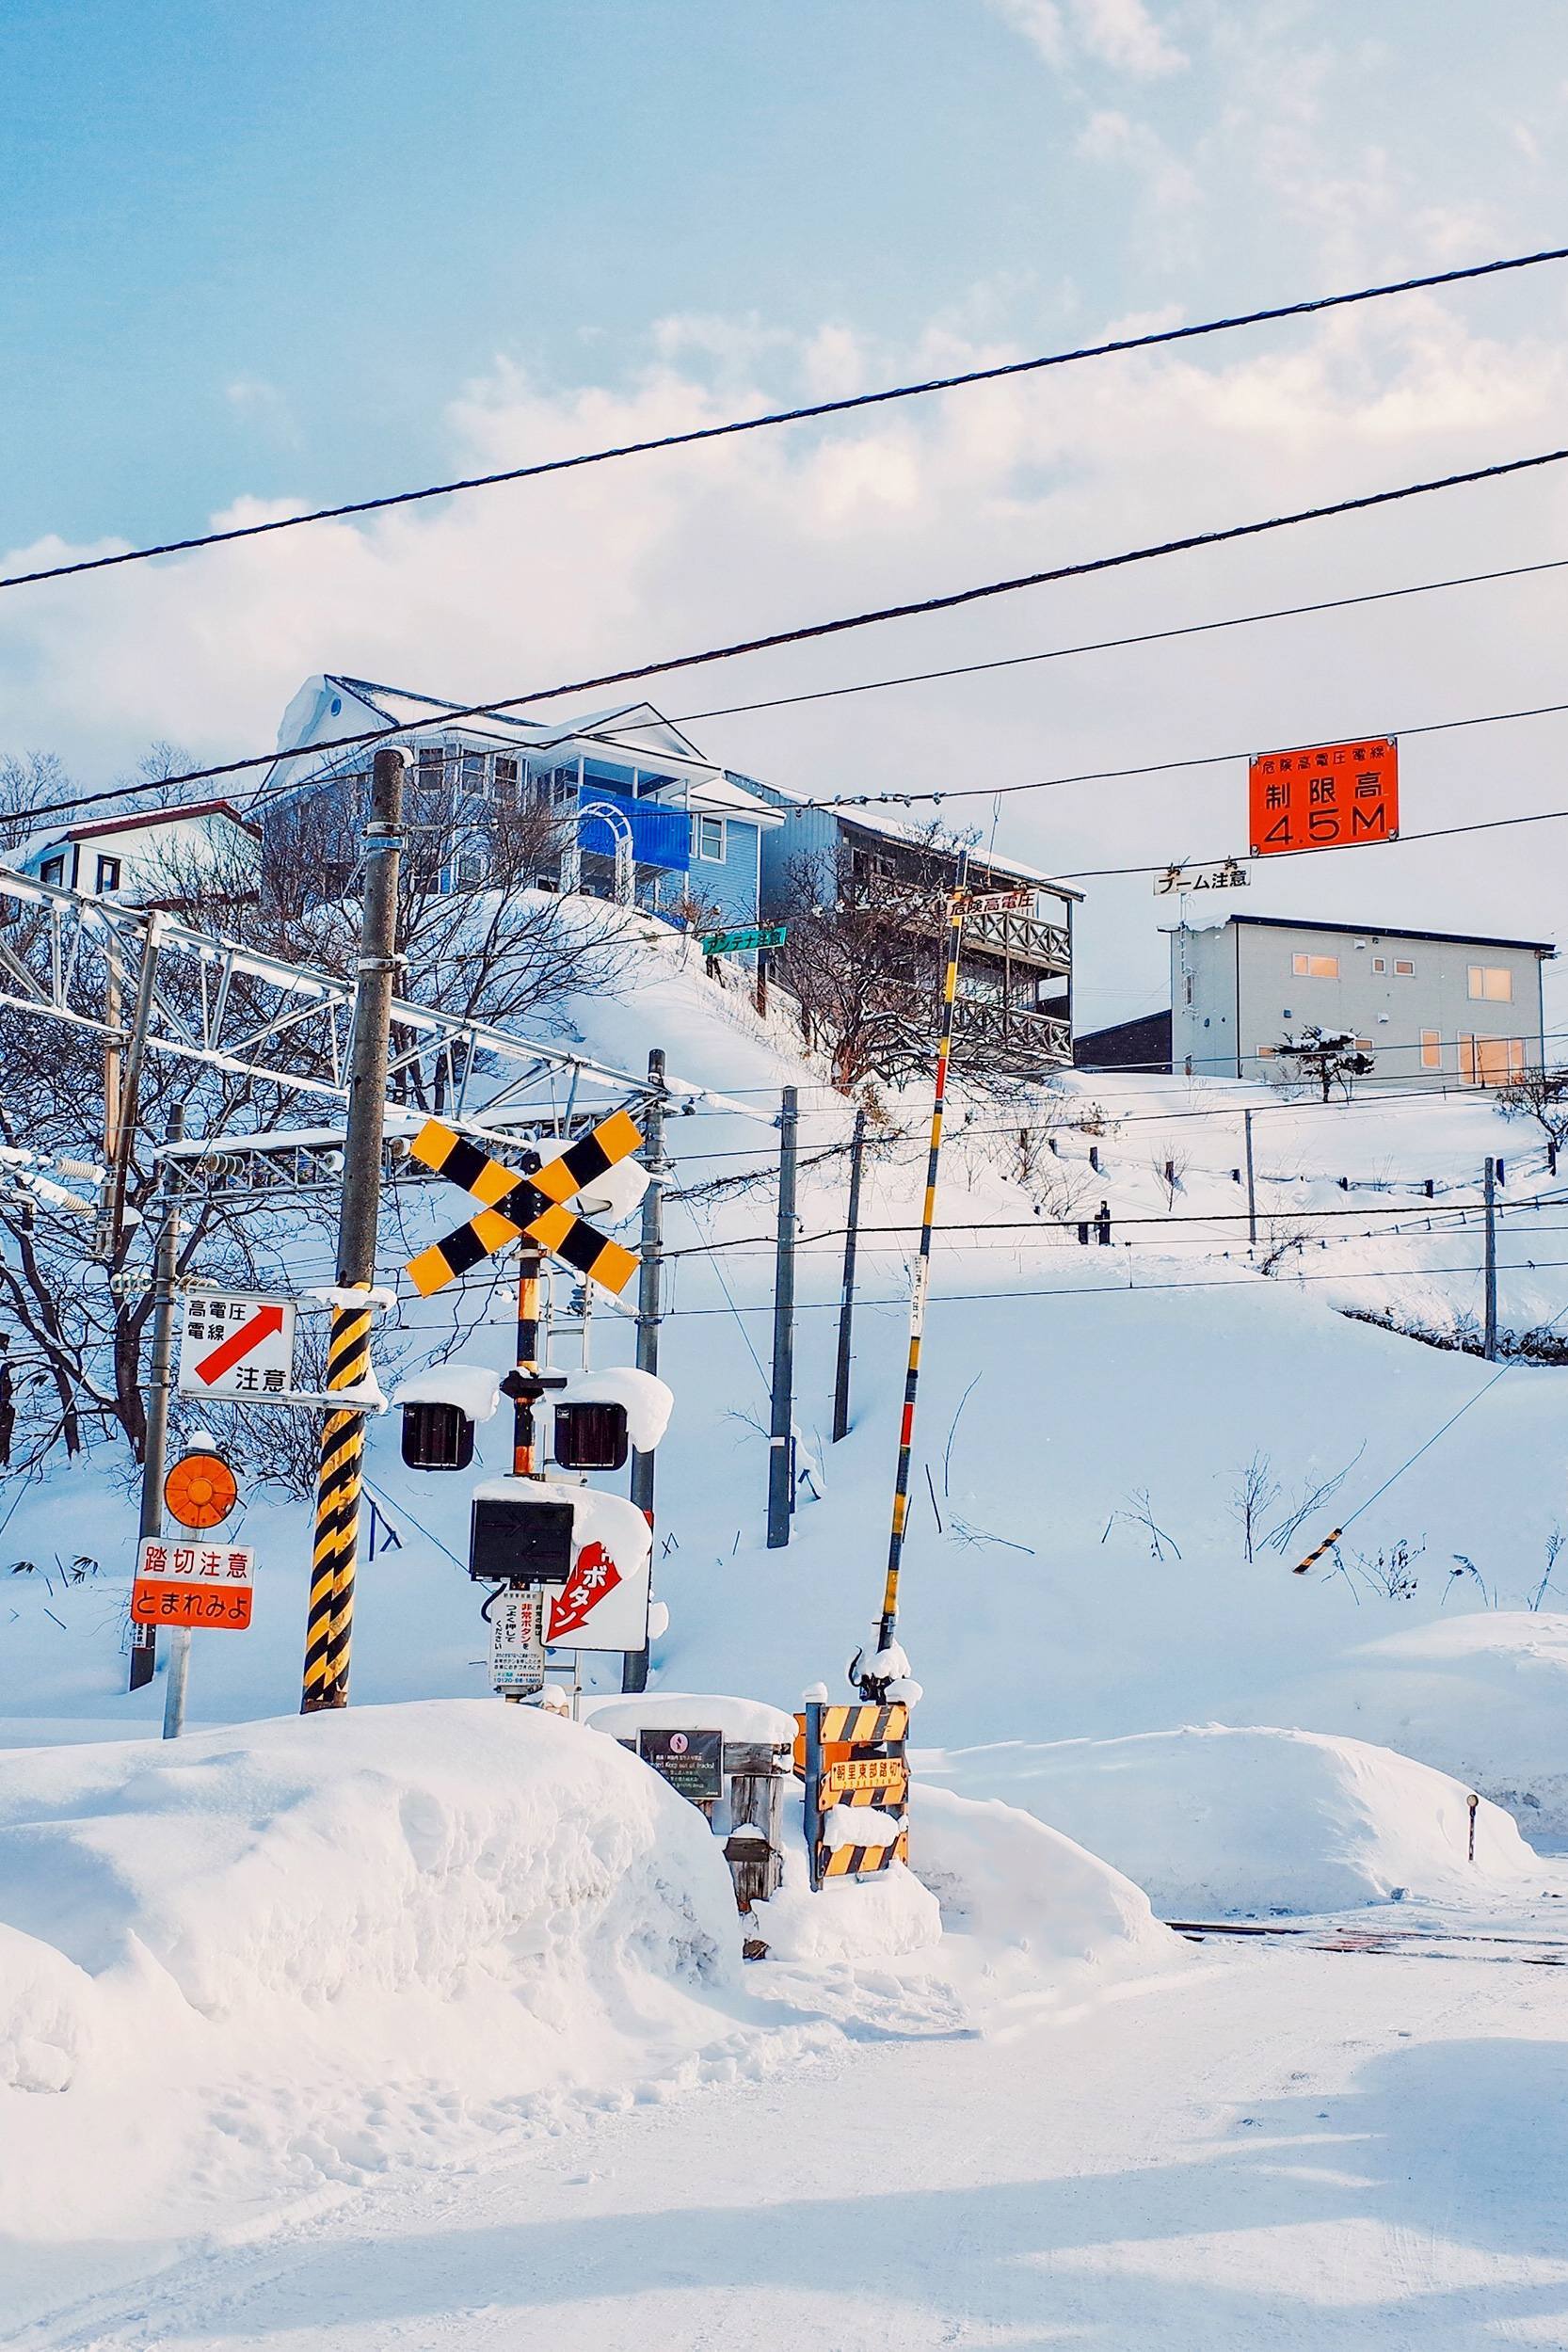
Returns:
(193,1584)
(1327,797)
(201,1490)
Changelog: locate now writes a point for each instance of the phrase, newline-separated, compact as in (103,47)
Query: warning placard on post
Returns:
(516,1643)
(1326,796)
(237,1347)
(193,1584)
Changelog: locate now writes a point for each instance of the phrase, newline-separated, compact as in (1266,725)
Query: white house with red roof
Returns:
(137,857)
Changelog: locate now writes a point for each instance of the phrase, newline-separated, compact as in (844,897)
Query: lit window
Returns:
(1364,1045)
(1491,1060)
(709,840)
(108,875)
(1404,968)
(53,870)
(1432,1050)
(1380,963)
(1315,967)
(1267,1053)
(1492,981)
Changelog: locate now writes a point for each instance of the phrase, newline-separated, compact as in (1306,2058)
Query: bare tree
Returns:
(1254,1497)
(1541,1094)
(1327,1056)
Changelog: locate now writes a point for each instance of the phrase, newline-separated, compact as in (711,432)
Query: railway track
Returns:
(1522,1951)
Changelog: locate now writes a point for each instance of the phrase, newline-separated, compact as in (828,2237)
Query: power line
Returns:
(1429,833)
(806,632)
(1146,1290)
(842,407)
(1110,645)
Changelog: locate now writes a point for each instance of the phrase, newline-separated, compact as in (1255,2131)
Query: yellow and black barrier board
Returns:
(865,1779)
(847,1729)
(856,1862)
(518,1205)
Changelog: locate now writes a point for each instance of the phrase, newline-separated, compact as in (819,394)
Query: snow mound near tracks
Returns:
(1216,1821)
(301,1952)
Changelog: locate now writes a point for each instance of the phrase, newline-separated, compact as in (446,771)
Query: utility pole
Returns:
(126,1085)
(1252,1189)
(330,1626)
(872,1684)
(633,1674)
(846,1301)
(1490,1181)
(780,1441)
(155,1444)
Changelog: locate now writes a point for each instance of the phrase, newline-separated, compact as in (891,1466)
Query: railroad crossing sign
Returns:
(237,1347)
(189,1584)
(519,1206)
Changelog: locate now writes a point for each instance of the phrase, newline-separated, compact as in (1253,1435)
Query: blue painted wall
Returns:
(734,887)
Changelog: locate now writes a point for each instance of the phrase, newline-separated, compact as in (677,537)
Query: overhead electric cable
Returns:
(844,406)
(450,714)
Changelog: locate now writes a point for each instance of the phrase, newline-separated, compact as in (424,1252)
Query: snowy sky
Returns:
(255,259)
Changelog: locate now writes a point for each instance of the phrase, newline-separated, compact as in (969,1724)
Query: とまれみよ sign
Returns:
(1327,797)
(193,1584)
(237,1347)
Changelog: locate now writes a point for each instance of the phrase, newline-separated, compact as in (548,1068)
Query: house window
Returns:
(1432,1050)
(1491,1060)
(1267,1053)
(710,841)
(432,763)
(108,875)
(1315,967)
(1364,1045)
(1404,967)
(506,777)
(53,870)
(1380,963)
(1494,982)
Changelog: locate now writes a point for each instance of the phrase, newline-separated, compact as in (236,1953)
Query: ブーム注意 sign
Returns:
(1328,796)
(692,1762)
(192,1584)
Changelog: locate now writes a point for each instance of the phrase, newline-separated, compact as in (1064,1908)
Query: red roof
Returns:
(161,816)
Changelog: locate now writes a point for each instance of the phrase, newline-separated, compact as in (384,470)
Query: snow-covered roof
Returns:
(866,819)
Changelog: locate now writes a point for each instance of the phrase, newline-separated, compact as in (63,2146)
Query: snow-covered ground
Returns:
(541,2101)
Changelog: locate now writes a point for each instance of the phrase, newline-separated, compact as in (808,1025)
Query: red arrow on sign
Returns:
(594,1574)
(239,1342)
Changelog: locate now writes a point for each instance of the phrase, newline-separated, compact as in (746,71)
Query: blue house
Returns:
(636,812)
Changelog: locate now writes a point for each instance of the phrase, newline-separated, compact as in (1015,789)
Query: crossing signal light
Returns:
(436,1437)
(590,1435)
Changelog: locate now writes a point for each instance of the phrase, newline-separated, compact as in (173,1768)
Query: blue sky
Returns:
(254,258)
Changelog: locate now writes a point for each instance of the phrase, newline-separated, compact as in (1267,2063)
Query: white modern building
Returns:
(1422,1003)
(141,857)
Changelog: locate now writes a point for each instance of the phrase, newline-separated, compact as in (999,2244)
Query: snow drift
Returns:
(1217,1820)
(269,1957)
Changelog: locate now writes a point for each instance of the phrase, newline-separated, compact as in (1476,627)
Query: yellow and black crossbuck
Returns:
(518,1205)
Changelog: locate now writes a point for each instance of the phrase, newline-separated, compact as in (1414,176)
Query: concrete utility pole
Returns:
(155,1444)
(649,1287)
(780,1441)
(846,1302)
(330,1626)
(1490,1182)
(1252,1187)
(126,1085)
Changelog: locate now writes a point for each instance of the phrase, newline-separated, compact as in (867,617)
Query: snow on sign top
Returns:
(237,1346)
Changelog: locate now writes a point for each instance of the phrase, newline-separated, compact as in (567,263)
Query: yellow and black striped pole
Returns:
(330,1623)
(1317,1553)
(923,1264)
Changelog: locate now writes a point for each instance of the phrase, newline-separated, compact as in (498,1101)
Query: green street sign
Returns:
(741,942)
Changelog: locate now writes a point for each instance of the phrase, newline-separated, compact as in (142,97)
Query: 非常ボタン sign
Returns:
(692,1762)
(192,1584)
(517,1647)
(743,942)
(237,1348)
(602,1605)
(1327,797)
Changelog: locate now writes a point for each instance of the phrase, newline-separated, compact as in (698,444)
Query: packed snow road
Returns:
(1267,2147)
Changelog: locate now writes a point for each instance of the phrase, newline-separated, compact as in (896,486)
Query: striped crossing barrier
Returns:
(336,1526)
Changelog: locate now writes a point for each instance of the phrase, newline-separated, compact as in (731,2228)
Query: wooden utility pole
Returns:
(155,1444)
(781,1433)
(330,1626)
(846,1299)
(649,1286)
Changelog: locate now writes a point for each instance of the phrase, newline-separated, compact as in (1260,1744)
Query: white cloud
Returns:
(1040,23)
(1120,34)
(508,591)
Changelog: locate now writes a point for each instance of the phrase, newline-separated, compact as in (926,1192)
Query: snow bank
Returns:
(1484,1697)
(1000,1874)
(1214,1820)
(647,1399)
(308,1950)
(686,1710)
